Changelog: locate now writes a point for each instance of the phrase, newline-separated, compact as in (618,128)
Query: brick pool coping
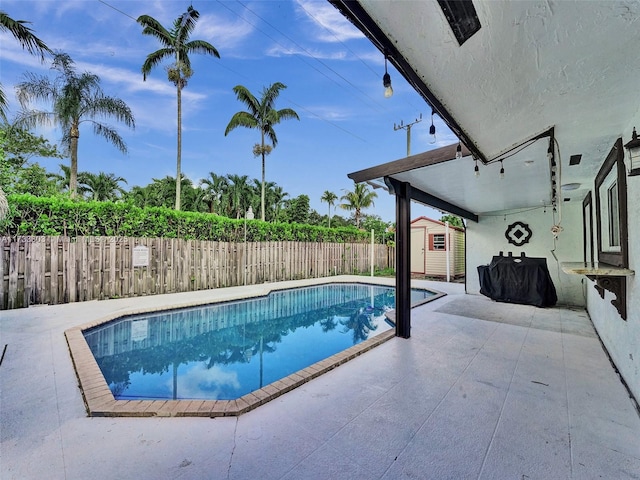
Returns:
(100,402)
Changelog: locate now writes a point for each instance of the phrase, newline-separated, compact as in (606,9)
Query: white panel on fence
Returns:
(140,256)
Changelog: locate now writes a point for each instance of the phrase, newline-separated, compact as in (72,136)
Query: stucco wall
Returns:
(486,238)
(622,338)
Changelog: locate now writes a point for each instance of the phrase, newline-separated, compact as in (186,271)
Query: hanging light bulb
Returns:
(550,151)
(386,81)
(432,130)
(459,151)
(501,171)
(476,170)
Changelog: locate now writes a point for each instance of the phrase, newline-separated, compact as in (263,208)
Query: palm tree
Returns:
(34,46)
(330,198)
(360,198)
(103,186)
(240,194)
(62,180)
(175,45)
(215,187)
(275,197)
(24,35)
(75,99)
(263,116)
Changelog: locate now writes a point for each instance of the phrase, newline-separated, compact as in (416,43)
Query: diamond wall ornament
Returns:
(518,233)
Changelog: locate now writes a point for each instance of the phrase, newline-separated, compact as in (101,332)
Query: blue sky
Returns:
(332,72)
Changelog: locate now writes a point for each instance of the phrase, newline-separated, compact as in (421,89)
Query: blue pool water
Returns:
(223,351)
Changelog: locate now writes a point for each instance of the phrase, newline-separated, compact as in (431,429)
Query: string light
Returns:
(386,81)
(501,171)
(459,151)
(476,170)
(432,130)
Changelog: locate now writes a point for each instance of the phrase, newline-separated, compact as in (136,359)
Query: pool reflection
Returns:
(224,351)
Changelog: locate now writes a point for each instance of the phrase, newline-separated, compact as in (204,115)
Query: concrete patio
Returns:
(481,390)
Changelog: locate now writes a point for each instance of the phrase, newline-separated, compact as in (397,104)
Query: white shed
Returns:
(431,246)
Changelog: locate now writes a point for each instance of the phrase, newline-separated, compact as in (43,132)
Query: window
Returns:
(614,219)
(437,241)
(611,209)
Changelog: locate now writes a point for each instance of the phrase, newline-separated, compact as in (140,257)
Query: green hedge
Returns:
(30,215)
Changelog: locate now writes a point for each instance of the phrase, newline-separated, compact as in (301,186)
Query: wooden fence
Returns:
(52,270)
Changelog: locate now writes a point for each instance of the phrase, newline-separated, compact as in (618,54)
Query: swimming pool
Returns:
(226,351)
(99,399)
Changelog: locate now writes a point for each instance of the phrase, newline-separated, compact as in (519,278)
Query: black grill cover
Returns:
(522,280)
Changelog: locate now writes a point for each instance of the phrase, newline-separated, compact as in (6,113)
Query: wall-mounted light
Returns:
(459,151)
(634,154)
(432,130)
(386,81)
(476,170)
(501,170)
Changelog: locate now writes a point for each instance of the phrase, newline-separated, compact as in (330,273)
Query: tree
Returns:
(215,188)
(18,145)
(375,223)
(298,209)
(62,180)
(32,44)
(453,220)
(275,198)
(330,198)
(263,116)
(103,186)
(176,44)
(75,99)
(240,194)
(358,199)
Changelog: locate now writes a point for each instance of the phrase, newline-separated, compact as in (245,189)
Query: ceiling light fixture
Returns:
(501,171)
(459,151)
(634,154)
(432,130)
(386,81)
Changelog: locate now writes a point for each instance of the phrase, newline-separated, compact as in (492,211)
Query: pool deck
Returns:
(480,390)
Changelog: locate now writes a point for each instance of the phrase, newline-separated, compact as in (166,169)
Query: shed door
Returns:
(417,250)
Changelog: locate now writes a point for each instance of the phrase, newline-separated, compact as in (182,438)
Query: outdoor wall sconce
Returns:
(634,154)
(386,81)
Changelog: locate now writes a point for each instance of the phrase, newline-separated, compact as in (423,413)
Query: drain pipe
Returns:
(446,249)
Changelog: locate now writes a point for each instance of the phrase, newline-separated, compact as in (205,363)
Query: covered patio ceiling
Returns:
(531,66)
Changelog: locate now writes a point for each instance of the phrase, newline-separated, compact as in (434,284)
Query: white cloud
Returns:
(332,113)
(281,51)
(198,378)
(333,27)
(222,33)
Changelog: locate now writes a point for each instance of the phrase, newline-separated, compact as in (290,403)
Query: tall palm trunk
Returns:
(73,176)
(263,178)
(179,159)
